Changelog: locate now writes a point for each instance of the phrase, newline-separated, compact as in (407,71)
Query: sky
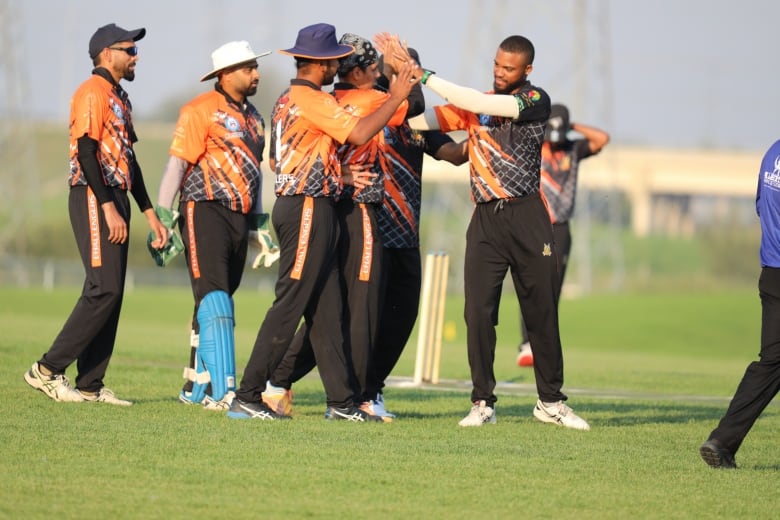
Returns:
(692,74)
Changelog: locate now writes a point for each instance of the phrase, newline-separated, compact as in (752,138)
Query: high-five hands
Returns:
(394,51)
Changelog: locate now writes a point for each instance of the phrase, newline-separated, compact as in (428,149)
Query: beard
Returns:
(510,88)
(328,80)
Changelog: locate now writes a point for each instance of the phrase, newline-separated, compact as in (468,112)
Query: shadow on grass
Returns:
(624,413)
(601,411)
(440,403)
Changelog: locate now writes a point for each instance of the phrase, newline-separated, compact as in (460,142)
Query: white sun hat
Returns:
(230,54)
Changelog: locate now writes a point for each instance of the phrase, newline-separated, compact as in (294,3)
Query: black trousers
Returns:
(308,288)
(400,297)
(562,236)
(215,245)
(90,331)
(761,381)
(514,235)
(360,268)
(361,271)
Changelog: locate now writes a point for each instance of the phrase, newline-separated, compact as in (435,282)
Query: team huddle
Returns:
(345,221)
(347,167)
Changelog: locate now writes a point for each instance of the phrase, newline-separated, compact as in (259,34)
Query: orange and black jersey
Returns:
(398,218)
(504,153)
(560,168)
(223,141)
(101,110)
(362,102)
(306,125)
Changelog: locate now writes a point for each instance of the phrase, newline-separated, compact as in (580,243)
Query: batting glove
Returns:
(261,244)
(173,246)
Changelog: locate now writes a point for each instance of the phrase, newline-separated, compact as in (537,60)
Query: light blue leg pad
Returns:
(216,357)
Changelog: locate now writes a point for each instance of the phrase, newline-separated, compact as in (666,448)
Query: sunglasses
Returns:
(132,51)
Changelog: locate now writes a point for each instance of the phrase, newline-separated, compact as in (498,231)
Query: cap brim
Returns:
(214,73)
(137,34)
(337,52)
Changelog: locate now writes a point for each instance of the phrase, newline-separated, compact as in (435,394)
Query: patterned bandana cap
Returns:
(365,54)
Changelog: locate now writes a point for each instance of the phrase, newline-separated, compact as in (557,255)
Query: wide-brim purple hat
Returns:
(318,42)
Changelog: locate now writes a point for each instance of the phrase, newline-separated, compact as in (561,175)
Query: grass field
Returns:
(651,373)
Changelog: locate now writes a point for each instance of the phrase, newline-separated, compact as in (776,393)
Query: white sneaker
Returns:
(55,386)
(525,357)
(378,405)
(186,397)
(223,405)
(105,395)
(480,414)
(560,414)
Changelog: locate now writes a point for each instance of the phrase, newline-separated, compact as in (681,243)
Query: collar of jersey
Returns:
(304,83)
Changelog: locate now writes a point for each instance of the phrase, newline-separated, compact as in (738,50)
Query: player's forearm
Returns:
(90,167)
(425,121)
(138,189)
(371,124)
(171,181)
(455,153)
(473,100)
(597,138)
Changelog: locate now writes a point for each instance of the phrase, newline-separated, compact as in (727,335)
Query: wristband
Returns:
(426,75)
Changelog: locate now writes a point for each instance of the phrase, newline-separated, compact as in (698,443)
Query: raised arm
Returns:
(395,52)
(597,138)
(472,99)
(371,124)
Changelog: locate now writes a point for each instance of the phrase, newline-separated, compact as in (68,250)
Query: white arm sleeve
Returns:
(473,100)
(171,181)
(425,121)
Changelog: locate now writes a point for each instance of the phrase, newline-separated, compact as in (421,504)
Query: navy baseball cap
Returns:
(110,34)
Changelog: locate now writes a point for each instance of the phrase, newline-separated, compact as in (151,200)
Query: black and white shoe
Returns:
(252,410)
(351,414)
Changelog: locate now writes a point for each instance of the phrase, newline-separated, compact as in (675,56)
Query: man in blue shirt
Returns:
(761,381)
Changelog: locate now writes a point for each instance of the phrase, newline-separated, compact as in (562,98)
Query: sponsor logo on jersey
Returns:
(231,123)
(772,178)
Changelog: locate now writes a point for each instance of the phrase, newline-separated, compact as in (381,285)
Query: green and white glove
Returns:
(261,244)
(173,246)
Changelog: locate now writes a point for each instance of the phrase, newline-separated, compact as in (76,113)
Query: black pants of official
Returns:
(562,237)
(308,232)
(90,331)
(215,248)
(514,235)
(360,269)
(761,381)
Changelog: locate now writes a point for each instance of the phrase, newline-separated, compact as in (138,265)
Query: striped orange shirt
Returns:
(224,143)
(306,126)
(98,111)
